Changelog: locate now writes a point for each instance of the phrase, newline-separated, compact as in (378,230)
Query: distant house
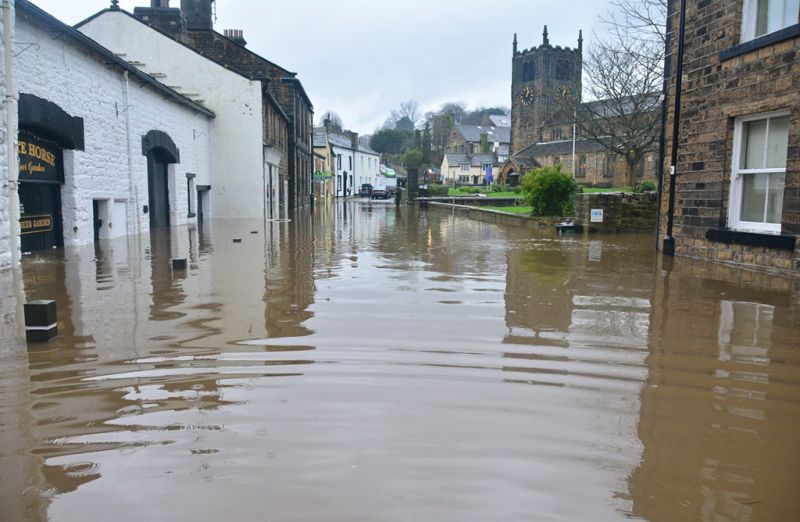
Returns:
(470,139)
(468,169)
(351,162)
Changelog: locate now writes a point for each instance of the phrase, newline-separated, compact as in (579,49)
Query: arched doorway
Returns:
(161,152)
(45,131)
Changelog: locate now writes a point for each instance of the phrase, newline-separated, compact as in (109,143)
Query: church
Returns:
(544,133)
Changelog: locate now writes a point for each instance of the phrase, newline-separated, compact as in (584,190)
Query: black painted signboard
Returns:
(39,160)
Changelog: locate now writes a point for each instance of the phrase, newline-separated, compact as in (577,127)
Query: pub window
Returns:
(760,17)
(760,146)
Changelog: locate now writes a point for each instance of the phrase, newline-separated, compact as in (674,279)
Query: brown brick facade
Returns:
(726,78)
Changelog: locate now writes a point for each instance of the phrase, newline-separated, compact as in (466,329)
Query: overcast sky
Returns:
(362,58)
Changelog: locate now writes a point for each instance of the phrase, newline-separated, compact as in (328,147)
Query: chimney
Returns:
(199,14)
(161,16)
(236,36)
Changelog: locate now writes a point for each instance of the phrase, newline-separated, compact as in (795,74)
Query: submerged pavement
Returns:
(376,363)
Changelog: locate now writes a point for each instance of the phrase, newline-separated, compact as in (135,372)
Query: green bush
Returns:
(549,191)
(499,187)
(518,189)
(645,186)
(437,190)
(471,190)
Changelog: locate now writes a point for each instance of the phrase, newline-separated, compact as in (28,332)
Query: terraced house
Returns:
(737,177)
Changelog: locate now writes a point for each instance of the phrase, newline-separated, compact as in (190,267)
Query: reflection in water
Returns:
(375,362)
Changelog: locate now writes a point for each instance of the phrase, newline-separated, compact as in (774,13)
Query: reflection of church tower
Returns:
(539,76)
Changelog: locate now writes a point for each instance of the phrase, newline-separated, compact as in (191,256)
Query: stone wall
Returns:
(115,120)
(724,79)
(5,193)
(622,212)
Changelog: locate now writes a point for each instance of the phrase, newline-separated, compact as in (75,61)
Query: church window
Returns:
(580,172)
(563,70)
(529,72)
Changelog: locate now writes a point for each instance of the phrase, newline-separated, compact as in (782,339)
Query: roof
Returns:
(475,160)
(366,150)
(629,104)
(455,159)
(320,137)
(472,133)
(502,120)
(340,140)
(59,27)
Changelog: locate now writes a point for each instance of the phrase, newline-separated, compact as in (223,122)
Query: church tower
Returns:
(540,80)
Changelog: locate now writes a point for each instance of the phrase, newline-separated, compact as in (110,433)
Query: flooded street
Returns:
(375,363)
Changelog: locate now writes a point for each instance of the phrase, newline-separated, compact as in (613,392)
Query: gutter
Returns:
(10,102)
(664,112)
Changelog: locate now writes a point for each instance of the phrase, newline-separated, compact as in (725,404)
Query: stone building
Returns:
(543,132)
(468,169)
(191,26)
(472,139)
(737,196)
(104,150)
(8,120)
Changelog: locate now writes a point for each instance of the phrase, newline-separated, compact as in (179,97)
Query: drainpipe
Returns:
(664,111)
(669,241)
(133,191)
(10,102)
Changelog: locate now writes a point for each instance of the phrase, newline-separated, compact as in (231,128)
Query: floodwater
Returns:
(375,363)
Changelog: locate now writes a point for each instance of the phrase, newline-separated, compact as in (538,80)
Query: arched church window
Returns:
(563,70)
(528,72)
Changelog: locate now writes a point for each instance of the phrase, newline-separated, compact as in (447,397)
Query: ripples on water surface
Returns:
(381,364)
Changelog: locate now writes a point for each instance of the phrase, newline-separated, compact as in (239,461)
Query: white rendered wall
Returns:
(5,135)
(369,172)
(339,170)
(237,166)
(83,85)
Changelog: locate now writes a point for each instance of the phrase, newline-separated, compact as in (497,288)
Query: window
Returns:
(528,72)
(759,170)
(465,167)
(580,172)
(485,166)
(563,70)
(190,197)
(760,17)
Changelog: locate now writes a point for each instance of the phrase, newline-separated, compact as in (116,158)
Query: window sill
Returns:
(762,41)
(724,235)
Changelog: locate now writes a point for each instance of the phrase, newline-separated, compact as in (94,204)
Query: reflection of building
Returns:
(104,149)
(737,188)
(718,414)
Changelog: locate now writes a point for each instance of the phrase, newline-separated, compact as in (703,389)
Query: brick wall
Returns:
(717,90)
(623,212)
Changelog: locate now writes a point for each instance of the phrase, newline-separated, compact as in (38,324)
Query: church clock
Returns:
(526,97)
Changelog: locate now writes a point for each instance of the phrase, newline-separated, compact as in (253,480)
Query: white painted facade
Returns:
(117,111)
(240,171)
(344,160)
(368,165)
(5,135)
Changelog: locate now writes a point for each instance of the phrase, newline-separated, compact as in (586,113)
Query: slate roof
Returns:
(339,140)
(320,137)
(472,133)
(455,159)
(366,150)
(475,160)
(502,120)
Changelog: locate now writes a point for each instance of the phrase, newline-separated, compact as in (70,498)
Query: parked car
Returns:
(366,188)
(380,193)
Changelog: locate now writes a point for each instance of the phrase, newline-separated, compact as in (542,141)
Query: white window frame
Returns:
(465,167)
(735,200)
(750,18)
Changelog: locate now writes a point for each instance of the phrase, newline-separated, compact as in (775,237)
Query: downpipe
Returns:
(10,102)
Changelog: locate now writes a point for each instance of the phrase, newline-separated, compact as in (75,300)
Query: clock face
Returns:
(526,97)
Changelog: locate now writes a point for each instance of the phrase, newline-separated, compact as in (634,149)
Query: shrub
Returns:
(498,187)
(549,191)
(645,186)
(437,190)
(471,190)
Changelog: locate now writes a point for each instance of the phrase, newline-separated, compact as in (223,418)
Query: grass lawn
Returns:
(512,210)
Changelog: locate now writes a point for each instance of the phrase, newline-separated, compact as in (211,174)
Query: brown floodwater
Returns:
(376,363)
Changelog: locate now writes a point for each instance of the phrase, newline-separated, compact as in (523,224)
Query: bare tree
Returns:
(334,118)
(410,110)
(623,75)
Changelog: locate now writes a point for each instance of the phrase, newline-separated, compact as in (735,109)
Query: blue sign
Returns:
(489,177)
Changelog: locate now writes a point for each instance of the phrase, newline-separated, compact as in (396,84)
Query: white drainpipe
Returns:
(10,102)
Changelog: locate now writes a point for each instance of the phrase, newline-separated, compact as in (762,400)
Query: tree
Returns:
(549,191)
(391,141)
(410,110)
(404,124)
(426,143)
(624,73)
(334,118)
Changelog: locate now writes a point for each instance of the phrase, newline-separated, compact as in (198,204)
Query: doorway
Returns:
(158,188)
(40,216)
